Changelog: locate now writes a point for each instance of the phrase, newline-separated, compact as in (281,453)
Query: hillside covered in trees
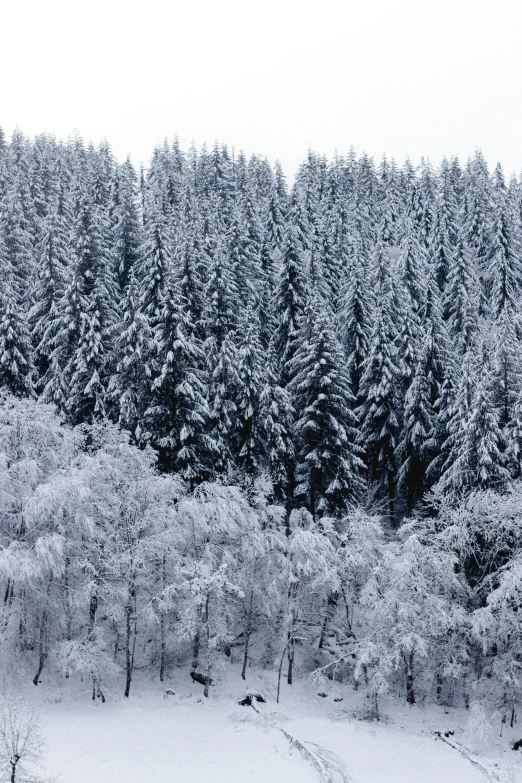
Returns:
(242,421)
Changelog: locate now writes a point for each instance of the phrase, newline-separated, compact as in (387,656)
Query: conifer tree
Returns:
(177,419)
(378,413)
(417,446)
(129,385)
(289,303)
(154,261)
(126,223)
(250,364)
(413,270)
(475,441)
(461,298)
(44,316)
(355,318)
(505,268)
(18,240)
(329,466)
(275,216)
(506,367)
(16,369)
(88,370)
(417,427)
(220,348)
(440,250)
(277,422)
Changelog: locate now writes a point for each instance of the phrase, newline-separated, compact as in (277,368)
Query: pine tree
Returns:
(418,445)
(506,367)
(220,348)
(89,366)
(87,391)
(126,223)
(250,365)
(177,419)
(413,269)
(355,318)
(461,298)
(440,250)
(289,303)
(482,461)
(329,465)
(475,442)
(378,413)
(277,422)
(505,266)
(243,255)
(16,369)
(418,425)
(154,261)
(44,316)
(18,239)
(129,385)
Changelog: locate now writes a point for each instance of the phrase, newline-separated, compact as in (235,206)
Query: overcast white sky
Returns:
(410,77)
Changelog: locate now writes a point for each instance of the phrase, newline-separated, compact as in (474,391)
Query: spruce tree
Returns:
(177,419)
(505,270)
(220,348)
(289,303)
(329,466)
(418,443)
(355,317)
(126,223)
(378,413)
(16,369)
(461,299)
(129,385)
(44,316)
(155,258)
(277,423)
(506,367)
(250,368)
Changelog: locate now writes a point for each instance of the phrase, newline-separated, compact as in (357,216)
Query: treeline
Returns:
(356,336)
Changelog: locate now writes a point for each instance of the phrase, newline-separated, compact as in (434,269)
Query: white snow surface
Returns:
(153,738)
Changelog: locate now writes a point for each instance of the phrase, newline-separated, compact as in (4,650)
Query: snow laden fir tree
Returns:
(246,422)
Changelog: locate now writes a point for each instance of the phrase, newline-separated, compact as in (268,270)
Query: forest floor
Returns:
(154,738)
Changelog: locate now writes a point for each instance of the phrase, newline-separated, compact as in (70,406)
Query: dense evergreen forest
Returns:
(246,421)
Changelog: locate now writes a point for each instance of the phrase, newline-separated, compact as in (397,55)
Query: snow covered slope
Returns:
(184,738)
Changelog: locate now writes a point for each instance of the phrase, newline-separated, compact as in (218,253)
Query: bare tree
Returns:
(21,742)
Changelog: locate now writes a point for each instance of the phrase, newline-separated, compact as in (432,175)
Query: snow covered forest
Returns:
(248,422)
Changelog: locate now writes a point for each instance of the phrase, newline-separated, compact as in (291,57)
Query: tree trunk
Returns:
(323,632)
(439,682)
(128,636)
(8,602)
(93,608)
(291,652)
(391,498)
(209,651)
(13,762)
(410,694)
(163,646)
(248,630)
(280,670)
(41,646)
(163,624)
(195,651)
(331,603)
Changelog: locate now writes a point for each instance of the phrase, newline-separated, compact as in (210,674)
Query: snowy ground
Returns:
(188,739)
